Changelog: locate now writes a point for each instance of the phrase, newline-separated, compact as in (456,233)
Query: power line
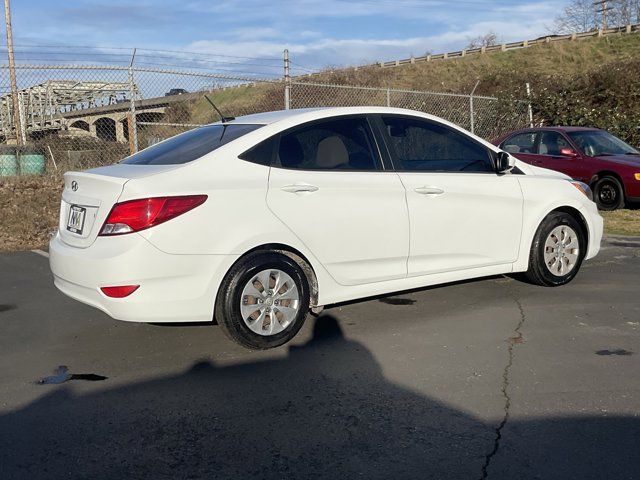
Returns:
(206,54)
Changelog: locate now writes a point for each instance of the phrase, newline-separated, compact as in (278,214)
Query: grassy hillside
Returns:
(589,82)
(499,72)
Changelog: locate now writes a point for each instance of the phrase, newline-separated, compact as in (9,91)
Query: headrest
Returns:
(332,153)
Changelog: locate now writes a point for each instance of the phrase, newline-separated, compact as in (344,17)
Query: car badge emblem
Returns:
(74,186)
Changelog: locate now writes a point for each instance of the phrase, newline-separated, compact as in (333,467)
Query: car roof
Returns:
(267,118)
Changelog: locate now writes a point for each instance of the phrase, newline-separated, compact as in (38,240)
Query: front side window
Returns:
(520,143)
(339,144)
(190,145)
(552,143)
(422,146)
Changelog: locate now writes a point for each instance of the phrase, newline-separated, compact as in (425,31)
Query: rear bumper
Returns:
(173,288)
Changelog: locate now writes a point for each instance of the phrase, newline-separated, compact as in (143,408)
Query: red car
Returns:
(593,156)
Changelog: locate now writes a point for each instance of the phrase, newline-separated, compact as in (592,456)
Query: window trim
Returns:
(383,134)
(374,144)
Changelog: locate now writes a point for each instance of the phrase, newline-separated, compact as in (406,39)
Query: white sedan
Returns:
(256,220)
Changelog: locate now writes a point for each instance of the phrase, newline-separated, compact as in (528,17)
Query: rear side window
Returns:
(422,146)
(262,154)
(520,143)
(190,145)
(339,144)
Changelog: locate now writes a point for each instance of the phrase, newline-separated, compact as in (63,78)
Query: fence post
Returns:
(471,113)
(132,125)
(388,97)
(17,123)
(529,109)
(287,81)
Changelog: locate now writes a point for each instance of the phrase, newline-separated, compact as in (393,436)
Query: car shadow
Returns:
(325,410)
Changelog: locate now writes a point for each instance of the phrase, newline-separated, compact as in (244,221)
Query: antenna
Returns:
(222,117)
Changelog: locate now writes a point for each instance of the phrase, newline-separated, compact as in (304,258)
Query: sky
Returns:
(318,34)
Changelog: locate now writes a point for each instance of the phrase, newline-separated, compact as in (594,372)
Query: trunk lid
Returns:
(88,197)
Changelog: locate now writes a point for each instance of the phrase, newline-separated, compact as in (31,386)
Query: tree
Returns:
(480,41)
(584,15)
(578,16)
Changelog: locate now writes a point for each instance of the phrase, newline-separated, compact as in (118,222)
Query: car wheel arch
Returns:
(527,240)
(293,254)
(606,173)
(577,215)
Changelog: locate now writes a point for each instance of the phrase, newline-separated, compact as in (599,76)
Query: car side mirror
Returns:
(568,152)
(504,162)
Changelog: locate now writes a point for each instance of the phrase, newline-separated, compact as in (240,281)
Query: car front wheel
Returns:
(263,301)
(608,193)
(557,251)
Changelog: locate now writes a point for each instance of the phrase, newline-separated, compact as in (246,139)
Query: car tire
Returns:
(553,259)
(263,301)
(608,193)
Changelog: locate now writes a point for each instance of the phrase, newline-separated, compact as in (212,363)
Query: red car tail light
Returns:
(120,291)
(136,215)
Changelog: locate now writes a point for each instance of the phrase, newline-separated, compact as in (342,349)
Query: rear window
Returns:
(190,145)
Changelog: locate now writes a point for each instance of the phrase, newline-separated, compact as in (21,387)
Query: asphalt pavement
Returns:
(492,378)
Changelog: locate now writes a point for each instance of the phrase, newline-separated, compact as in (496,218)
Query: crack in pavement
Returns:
(513,341)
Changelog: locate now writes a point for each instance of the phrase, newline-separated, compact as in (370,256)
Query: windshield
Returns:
(190,145)
(595,143)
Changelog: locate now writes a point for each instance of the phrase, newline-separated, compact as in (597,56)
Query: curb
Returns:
(621,240)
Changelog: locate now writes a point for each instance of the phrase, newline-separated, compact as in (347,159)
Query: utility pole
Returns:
(12,75)
(603,10)
(287,81)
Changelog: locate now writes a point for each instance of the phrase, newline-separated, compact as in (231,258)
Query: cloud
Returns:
(323,52)
(318,33)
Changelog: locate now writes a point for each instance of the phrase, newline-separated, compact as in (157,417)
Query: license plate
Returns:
(75,223)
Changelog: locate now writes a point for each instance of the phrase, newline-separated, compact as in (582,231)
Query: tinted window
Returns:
(262,153)
(341,144)
(521,143)
(190,145)
(551,143)
(428,147)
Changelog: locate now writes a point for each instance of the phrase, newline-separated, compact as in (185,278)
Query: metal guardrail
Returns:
(504,47)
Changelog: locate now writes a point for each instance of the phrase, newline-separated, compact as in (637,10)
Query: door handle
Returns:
(299,188)
(431,191)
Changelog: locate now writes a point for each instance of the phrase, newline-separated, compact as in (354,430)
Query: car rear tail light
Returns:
(120,291)
(136,215)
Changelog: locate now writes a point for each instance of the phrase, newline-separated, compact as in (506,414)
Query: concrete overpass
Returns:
(111,122)
(99,109)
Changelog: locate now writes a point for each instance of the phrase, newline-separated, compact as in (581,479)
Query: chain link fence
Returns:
(487,117)
(71,117)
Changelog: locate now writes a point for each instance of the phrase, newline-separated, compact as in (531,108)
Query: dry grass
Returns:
(28,211)
(622,222)
(499,73)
